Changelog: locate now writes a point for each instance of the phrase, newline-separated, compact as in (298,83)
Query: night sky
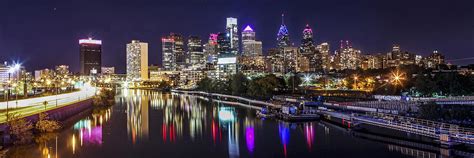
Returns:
(45,33)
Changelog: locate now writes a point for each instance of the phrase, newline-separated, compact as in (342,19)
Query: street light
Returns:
(11,70)
(355,81)
(396,78)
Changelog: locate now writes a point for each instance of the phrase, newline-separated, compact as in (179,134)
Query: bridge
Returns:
(241,99)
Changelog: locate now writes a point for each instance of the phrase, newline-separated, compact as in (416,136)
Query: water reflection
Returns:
(158,123)
(137,103)
(284,131)
(249,134)
(89,131)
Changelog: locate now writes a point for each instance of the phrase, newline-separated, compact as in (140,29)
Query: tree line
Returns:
(263,87)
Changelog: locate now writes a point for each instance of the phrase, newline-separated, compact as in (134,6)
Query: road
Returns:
(28,107)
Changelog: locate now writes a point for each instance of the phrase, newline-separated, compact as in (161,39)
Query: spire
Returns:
(283,19)
(248,28)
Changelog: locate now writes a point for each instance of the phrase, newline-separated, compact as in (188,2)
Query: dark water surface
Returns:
(155,124)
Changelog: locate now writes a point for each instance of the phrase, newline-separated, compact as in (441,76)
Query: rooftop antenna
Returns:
(283,18)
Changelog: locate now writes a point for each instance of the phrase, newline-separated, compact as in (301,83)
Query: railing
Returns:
(420,126)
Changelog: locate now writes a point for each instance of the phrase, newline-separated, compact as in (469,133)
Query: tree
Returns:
(238,84)
(205,84)
(293,82)
(44,124)
(20,128)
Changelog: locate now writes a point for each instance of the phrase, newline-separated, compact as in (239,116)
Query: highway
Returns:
(28,107)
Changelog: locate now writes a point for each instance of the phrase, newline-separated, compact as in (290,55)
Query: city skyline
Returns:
(454,46)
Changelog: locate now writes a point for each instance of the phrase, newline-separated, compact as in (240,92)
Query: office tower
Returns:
(174,56)
(210,49)
(307,41)
(227,60)
(137,61)
(434,60)
(283,38)
(223,44)
(248,34)
(290,59)
(250,47)
(397,58)
(231,29)
(169,58)
(347,57)
(90,56)
(4,73)
(323,48)
(310,57)
(195,53)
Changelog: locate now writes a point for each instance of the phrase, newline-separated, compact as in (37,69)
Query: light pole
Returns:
(11,70)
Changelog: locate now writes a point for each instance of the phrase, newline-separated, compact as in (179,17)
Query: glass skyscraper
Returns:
(90,56)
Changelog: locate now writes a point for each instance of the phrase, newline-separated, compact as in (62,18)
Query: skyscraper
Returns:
(347,57)
(90,56)
(169,58)
(210,49)
(248,34)
(309,53)
(227,60)
(231,29)
(174,56)
(307,41)
(195,53)
(223,44)
(137,61)
(283,38)
(323,48)
(250,47)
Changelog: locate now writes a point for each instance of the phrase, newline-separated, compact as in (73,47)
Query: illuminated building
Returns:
(310,57)
(323,48)
(226,67)
(210,50)
(174,57)
(196,54)
(43,74)
(276,61)
(161,75)
(227,60)
(347,57)
(250,47)
(290,59)
(4,73)
(283,38)
(137,61)
(252,65)
(307,41)
(188,78)
(232,31)
(375,61)
(434,60)
(90,56)
(62,70)
(223,44)
(108,70)
(397,58)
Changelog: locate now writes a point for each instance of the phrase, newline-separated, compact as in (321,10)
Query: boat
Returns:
(299,117)
(264,113)
(292,114)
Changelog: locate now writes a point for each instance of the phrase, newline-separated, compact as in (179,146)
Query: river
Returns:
(155,124)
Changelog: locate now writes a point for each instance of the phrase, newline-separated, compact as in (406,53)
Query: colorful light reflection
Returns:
(250,138)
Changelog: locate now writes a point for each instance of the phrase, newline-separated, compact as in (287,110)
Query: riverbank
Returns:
(347,121)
